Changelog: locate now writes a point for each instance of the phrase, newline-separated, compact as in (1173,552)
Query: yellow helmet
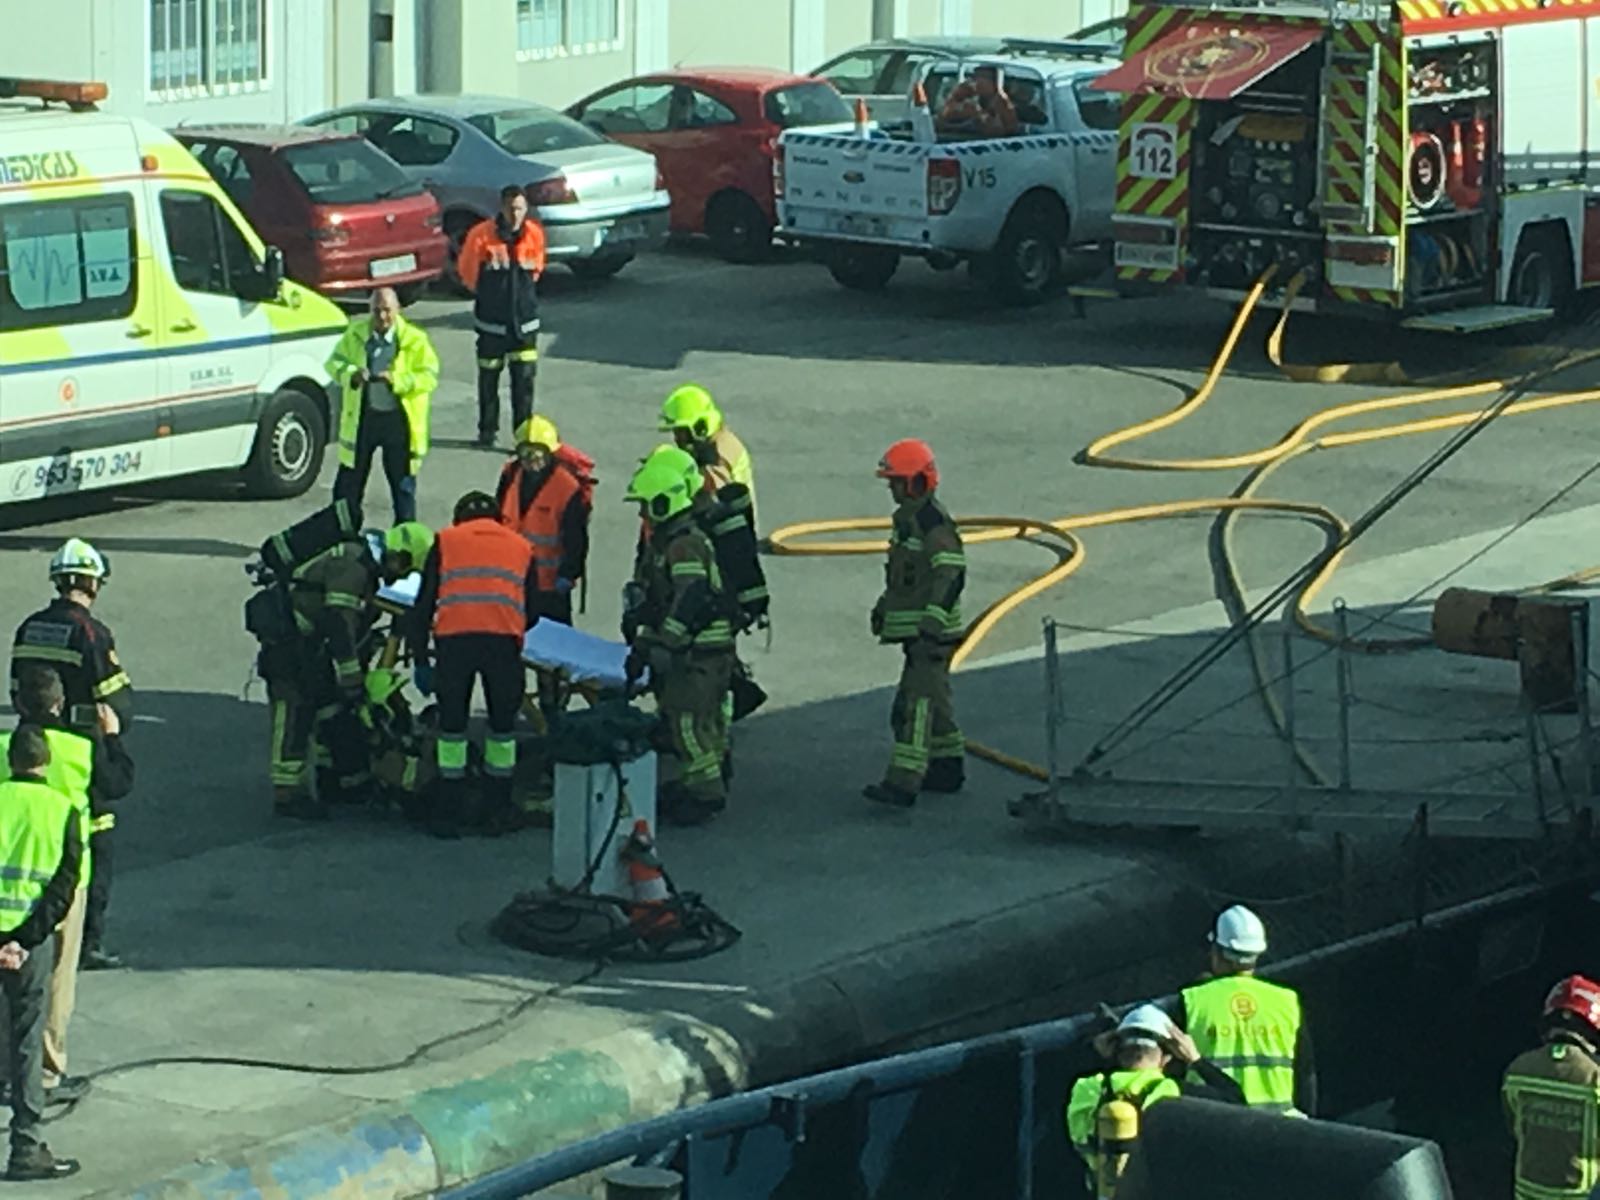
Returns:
(410,537)
(691,407)
(664,484)
(539,431)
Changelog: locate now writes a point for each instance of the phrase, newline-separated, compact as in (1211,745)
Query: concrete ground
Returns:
(351,960)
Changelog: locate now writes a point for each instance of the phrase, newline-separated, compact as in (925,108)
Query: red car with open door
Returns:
(345,215)
(713,132)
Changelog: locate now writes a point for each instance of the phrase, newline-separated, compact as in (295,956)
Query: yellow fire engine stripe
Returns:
(1169,196)
(1133,200)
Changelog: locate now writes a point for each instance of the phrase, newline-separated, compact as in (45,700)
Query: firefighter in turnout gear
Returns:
(66,635)
(920,610)
(680,628)
(545,494)
(1104,1110)
(1250,1028)
(479,596)
(1552,1098)
(697,425)
(500,263)
(316,679)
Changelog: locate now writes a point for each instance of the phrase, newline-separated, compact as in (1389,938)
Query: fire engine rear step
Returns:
(1478,320)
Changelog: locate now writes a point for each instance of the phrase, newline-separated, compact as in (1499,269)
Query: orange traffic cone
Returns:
(861,117)
(919,95)
(650,913)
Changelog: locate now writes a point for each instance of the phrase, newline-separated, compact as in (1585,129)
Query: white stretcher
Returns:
(581,659)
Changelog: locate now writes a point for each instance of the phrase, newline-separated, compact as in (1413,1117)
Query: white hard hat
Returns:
(78,557)
(1240,933)
(1145,1023)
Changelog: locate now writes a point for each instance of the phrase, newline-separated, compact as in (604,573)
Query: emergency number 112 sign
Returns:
(1153,151)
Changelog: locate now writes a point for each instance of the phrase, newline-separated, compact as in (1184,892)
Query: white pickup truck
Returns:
(1010,206)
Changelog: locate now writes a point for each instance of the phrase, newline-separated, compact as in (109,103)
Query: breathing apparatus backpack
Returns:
(730,524)
(269,614)
(1116,1129)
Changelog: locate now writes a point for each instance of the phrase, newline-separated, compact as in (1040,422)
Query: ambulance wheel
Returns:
(290,438)
(1541,270)
(863,268)
(1026,262)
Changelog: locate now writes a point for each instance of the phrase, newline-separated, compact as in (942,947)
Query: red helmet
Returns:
(910,459)
(1577,997)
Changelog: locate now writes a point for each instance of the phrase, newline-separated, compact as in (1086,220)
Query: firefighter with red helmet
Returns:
(920,611)
(1552,1097)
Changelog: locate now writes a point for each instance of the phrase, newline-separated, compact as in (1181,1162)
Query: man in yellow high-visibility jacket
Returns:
(387,371)
(1250,1028)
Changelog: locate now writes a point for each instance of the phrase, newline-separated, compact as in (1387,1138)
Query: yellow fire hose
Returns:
(821,537)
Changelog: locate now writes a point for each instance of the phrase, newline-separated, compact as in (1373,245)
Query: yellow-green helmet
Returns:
(382,683)
(539,431)
(691,407)
(410,537)
(663,484)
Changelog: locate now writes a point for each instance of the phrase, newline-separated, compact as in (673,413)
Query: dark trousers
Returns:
(462,660)
(494,355)
(388,434)
(27,992)
(102,847)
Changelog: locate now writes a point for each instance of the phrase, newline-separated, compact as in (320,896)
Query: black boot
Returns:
(35,1162)
(890,794)
(945,775)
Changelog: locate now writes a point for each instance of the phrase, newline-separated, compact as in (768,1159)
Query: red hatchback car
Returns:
(346,217)
(713,131)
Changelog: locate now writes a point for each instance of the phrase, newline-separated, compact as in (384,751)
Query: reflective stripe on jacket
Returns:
(685,595)
(1552,1101)
(540,522)
(70,769)
(483,575)
(924,575)
(501,274)
(1249,1028)
(33,824)
(331,595)
(415,373)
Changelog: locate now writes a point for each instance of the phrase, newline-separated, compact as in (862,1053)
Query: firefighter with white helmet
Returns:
(67,636)
(1104,1109)
(1252,1029)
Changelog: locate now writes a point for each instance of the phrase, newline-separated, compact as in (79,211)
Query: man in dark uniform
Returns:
(67,636)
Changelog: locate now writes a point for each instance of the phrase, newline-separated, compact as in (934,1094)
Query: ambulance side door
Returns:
(218,343)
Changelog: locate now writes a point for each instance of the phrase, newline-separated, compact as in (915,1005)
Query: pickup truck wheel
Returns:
(863,268)
(1026,263)
(738,229)
(290,438)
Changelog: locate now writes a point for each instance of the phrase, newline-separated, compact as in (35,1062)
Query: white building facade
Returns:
(172,61)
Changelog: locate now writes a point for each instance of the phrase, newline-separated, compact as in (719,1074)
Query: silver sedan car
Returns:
(600,203)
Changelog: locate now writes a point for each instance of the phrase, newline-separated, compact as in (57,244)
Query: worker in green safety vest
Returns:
(92,768)
(42,839)
(1552,1098)
(1250,1028)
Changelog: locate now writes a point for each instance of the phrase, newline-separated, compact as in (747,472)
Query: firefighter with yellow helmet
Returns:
(545,493)
(1104,1109)
(697,425)
(680,629)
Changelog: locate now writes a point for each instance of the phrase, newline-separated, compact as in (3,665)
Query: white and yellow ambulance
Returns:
(145,330)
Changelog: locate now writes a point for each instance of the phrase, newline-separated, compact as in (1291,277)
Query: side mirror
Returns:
(266,281)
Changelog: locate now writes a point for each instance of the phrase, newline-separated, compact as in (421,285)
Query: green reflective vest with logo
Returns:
(33,826)
(1249,1028)
(1552,1100)
(71,767)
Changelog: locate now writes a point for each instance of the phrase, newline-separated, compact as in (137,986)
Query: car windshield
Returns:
(806,104)
(346,171)
(531,131)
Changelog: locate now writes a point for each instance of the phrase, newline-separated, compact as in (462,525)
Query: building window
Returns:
(207,46)
(548,28)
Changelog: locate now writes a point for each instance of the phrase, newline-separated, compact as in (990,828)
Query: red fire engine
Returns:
(1433,161)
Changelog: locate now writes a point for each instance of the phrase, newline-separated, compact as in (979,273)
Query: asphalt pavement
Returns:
(356,944)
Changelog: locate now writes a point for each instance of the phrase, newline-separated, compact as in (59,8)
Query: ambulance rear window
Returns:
(66,261)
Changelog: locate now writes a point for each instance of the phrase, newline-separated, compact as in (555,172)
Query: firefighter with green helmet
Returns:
(680,628)
(1104,1110)
(697,425)
(1252,1029)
